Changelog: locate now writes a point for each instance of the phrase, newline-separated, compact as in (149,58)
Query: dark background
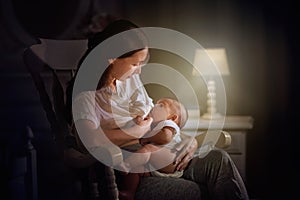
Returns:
(262,43)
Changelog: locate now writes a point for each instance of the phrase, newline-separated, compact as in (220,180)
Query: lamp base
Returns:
(212,116)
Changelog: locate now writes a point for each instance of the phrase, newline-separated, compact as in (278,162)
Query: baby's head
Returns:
(169,109)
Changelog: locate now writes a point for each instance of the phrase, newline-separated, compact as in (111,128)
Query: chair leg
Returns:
(93,184)
(93,191)
(113,192)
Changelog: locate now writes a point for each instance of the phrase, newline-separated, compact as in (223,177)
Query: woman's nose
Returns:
(138,70)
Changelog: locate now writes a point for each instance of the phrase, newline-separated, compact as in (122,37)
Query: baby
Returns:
(168,117)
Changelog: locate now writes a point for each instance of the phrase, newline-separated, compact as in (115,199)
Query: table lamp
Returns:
(211,63)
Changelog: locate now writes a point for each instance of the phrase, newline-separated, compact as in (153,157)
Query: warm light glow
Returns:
(211,62)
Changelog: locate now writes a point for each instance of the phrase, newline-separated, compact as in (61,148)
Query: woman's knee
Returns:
(219,156)
(219,153)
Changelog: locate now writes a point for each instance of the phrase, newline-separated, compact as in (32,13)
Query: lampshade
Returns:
(211,62)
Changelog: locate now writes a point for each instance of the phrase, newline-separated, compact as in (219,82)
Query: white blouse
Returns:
(113,110)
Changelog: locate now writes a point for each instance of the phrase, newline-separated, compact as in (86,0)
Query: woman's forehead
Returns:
(141,55)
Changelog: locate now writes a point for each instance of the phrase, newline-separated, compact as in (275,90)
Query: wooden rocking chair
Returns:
(57,60)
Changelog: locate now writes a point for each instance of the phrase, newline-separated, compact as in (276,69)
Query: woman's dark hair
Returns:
(110,30)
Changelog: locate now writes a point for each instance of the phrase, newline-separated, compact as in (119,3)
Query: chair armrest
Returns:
(76,159)
(223,141)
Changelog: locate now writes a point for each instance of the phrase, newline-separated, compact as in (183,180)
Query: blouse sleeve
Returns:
(84,107)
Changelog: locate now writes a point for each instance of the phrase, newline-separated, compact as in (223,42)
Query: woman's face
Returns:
(124,68)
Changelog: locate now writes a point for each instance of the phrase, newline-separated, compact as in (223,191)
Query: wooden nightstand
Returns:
(236,126)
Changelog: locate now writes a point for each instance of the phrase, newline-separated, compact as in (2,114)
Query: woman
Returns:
(119,98)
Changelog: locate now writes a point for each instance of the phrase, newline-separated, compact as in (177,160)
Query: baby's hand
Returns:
(141,128)
(138,120)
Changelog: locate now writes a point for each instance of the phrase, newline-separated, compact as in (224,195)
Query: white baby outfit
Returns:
(171,145)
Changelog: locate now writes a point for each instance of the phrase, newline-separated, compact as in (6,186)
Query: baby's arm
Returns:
(164,136)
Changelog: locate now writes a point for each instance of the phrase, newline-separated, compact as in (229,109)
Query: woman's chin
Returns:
(124,78)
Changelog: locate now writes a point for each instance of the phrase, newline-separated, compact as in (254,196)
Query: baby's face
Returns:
(160,111)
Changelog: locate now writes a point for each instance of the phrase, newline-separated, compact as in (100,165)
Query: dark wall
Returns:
(261,38)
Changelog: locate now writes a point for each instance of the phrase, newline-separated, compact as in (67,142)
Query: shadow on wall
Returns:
(73,19)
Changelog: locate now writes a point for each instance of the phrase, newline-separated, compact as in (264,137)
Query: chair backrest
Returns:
(60,54)
(55,61)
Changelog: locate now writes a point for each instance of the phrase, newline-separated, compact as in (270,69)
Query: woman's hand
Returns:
(186,150)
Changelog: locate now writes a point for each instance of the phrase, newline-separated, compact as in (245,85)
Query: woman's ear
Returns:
(111,60)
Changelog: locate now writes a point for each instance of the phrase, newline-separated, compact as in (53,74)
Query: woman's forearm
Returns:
(92,136)
(120,137)
(96,136)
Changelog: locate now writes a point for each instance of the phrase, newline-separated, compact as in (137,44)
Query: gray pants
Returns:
(213,177)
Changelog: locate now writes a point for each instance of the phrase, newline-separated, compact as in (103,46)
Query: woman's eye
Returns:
(142,64)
